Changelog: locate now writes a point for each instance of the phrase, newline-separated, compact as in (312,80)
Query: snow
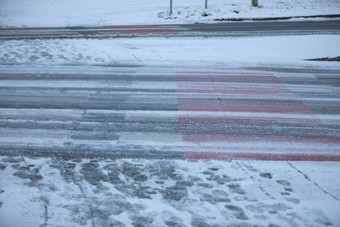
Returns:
(84,192)
(125,192)
(251,51)
(51,13)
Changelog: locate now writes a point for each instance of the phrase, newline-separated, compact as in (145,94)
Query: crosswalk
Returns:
(170,112)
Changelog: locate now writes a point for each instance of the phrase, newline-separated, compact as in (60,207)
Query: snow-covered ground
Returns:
(279,50)
(100,192)
(104,192)
(45,13)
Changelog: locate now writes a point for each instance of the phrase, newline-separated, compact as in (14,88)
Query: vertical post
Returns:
(254,3)
(170,7)
(206,4)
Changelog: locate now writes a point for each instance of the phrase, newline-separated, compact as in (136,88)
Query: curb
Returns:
(277,18)
(325,59)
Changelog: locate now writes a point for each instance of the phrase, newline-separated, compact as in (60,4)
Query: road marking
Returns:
(277,110)
(226,114)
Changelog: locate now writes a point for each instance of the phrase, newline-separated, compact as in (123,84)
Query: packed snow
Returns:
(105,192)
(173,51)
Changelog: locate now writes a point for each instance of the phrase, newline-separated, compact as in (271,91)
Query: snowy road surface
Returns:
(115,145)
(171,112)
(216,29)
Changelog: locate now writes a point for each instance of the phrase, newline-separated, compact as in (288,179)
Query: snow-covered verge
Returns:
(45,13)
(173,51)
(104,192)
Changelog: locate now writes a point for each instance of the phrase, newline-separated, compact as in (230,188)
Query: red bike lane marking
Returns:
(243,83)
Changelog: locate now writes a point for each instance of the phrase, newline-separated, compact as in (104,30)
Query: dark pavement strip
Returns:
(217,29)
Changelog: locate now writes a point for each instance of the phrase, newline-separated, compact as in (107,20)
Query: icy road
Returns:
(167,112)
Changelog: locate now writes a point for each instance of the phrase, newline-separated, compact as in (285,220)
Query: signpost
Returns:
(254,3)
(206,4)
(170,7)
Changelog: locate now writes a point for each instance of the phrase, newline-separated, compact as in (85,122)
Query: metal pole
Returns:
(170,7)
(254,3)
(206,4)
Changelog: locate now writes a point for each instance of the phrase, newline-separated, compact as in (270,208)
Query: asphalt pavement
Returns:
(212,29)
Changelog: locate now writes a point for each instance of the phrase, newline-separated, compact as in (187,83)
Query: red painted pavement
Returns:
(193,87)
